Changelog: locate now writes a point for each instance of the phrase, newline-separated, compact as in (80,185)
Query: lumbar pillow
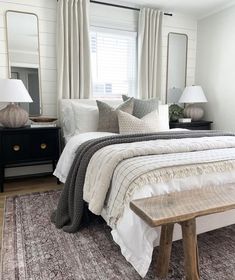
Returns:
(108,120)
(86,118)
(129,124)
(143,107)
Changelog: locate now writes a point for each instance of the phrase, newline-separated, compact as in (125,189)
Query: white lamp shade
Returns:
(193,94)
(12,90)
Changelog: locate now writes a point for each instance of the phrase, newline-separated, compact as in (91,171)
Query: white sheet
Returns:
(68,154)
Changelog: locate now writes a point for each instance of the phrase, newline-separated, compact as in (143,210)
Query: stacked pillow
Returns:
(132,116)
(142,107)
(86,118)
(129,124)
(108,119)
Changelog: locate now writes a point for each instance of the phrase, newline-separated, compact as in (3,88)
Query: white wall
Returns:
(111,17)
(215,69)
(46,11)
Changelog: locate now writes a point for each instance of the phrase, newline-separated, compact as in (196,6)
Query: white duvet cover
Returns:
(68,154)
(72,144)
(135,238)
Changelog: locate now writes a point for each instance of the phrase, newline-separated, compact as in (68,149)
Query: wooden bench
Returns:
(183,208)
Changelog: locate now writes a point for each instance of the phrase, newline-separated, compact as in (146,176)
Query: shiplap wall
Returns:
(100,15)
(46,11)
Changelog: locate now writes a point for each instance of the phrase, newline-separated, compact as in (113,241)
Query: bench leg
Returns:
(191,262)
(163,259)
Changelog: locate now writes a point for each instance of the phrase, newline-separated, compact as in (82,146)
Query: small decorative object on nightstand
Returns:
(193,94)
(175,112)
(13,91)
(43,122)
(28,146)
(196,125)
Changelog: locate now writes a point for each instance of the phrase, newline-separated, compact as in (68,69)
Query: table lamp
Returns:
(13,91)
(190,96)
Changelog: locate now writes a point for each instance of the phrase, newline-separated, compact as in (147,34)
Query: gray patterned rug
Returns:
(34,249)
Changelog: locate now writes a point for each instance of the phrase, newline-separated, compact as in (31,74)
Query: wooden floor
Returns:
(24,186)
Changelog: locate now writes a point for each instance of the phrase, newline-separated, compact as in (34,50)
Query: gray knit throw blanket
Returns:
(70,208)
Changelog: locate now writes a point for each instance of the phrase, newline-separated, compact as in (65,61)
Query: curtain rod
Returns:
(123,7)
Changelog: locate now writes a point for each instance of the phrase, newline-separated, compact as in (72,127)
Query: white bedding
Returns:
(72,144)
(135,238)
(68,154)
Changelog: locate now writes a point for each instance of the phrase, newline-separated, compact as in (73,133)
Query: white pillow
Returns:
(67,121)
(129,124)
(163,113)
(86,118)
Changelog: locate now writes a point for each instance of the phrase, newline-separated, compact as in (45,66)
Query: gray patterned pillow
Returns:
(108,120)
(143,107)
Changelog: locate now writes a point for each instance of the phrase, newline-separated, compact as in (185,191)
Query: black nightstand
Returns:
(28,146)
(197,125)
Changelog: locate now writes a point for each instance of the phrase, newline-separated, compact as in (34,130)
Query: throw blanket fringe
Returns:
(165,175)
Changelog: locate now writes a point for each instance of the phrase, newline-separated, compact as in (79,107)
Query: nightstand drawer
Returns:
(195,125)
(28,146)
(44,145)
(16,147)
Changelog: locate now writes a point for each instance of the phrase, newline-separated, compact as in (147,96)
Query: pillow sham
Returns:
(163,113)
(67,121)
(129,124)
(143,107)
(108,120)
(86,118)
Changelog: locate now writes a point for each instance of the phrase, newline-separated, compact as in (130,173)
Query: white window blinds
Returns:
(113,59)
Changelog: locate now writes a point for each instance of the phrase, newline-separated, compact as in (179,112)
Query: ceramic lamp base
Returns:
(13,116)
(194,112)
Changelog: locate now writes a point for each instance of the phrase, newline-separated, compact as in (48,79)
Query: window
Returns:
(113,60)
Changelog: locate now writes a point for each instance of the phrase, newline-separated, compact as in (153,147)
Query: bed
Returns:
(146,165)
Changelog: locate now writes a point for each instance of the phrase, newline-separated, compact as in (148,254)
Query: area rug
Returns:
(34,249)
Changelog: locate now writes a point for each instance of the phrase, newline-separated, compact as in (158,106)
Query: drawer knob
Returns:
(16,148)
(43,146)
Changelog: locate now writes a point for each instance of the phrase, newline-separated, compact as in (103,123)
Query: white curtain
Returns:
(149,53)
(73,49)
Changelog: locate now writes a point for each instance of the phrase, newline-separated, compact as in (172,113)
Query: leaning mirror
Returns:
(176,66)
(23,55)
